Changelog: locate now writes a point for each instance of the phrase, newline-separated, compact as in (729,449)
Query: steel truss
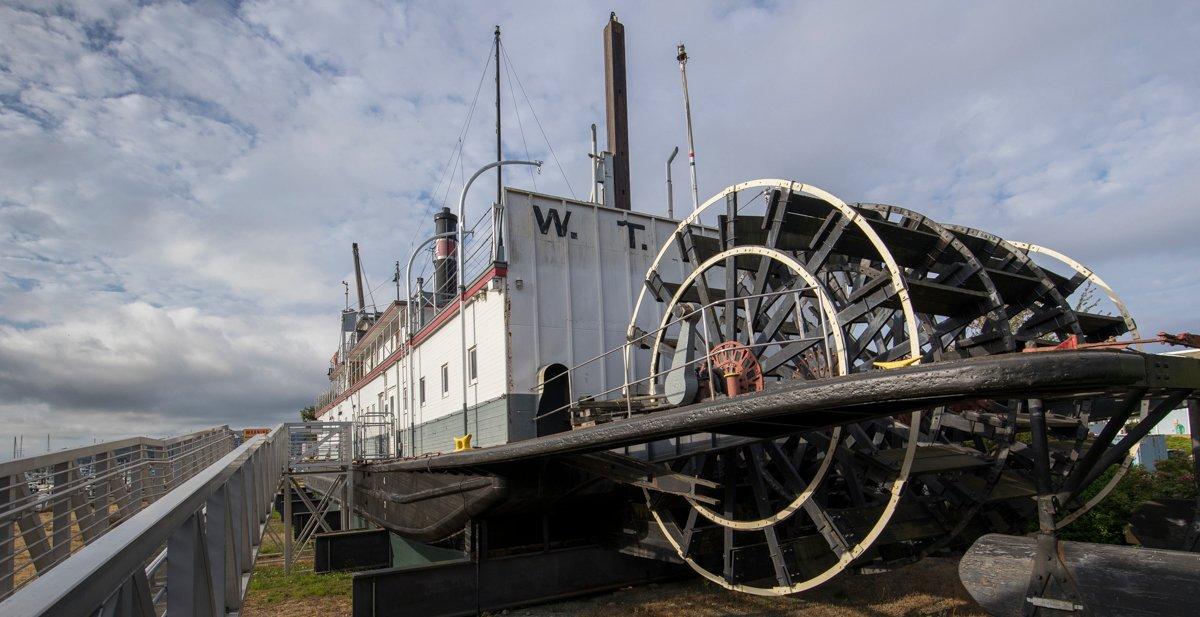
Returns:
(321,461)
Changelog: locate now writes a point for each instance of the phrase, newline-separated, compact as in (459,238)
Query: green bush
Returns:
(1179,443)
(1172,479)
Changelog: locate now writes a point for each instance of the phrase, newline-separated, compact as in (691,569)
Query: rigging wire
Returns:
(533,112)
(517,110)
(367,284)
(454,161)
(371,291)
(462,132)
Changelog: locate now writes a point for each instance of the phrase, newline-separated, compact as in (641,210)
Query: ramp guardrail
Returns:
(54,504)
(190,552)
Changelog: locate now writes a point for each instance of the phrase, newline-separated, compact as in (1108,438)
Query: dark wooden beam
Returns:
(1112,580)
(616,105)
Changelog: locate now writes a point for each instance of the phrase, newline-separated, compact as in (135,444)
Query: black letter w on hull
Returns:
(544,222)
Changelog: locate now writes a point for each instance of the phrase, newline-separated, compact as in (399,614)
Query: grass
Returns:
(1179,443)
(299,594)
(271,586)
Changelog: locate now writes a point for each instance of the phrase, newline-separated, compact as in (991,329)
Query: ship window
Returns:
(445,380)
(472,367)
(421,392)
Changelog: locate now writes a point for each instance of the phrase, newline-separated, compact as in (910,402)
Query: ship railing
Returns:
(314,444)
(325,398)
(479,247)
(55,504)
(630,392)
(190,552)
(481,250)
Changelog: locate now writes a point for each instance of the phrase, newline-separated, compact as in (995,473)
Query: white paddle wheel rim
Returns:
(896,489)
(839,351)
(1094,279)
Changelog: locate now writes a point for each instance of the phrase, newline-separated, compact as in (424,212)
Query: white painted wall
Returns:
(573,287)
(485,331)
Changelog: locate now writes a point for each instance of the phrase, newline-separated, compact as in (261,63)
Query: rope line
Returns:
(517,110)
(533,112)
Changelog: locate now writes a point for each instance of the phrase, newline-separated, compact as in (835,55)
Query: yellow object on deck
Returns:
(897,363)
(462,443)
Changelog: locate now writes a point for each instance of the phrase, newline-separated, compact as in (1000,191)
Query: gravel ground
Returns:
(929,588)
(926,589)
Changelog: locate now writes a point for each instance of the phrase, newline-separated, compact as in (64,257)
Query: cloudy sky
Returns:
(180,182)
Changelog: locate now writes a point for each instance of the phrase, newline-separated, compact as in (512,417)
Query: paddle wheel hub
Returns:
(737,365)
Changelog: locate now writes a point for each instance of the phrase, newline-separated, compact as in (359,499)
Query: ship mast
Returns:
(687,113)
(499,148)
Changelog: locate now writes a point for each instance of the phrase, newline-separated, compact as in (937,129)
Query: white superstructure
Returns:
(555,286)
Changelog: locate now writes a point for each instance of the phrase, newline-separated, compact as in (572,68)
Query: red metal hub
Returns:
(736,364)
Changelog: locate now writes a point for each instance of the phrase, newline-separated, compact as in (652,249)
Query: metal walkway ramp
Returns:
(149,527)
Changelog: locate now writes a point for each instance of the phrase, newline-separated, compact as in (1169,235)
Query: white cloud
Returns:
(179,183)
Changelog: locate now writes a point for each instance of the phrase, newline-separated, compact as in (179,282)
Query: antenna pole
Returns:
(670,189)
(687,112)
(499,142)
(595,156)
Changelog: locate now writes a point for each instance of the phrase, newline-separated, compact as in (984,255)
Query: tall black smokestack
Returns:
(617,108)
(444,265)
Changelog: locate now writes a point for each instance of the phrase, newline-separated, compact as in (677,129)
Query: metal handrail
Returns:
(625,387)
(98,486)
(224,505)
(15,506)
(15,466)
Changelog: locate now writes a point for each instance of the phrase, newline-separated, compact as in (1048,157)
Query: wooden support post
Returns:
(61,511)
(137,478)
(7,541)
(85,515)
(119,483)
(33,532)
(101,492)
(174,464)
(158,485)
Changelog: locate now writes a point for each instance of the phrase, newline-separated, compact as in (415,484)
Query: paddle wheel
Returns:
(771,282)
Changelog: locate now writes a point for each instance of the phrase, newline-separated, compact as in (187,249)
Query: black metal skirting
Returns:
(357,549)
(465,587)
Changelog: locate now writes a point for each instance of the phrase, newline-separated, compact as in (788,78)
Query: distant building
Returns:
(1176,422)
